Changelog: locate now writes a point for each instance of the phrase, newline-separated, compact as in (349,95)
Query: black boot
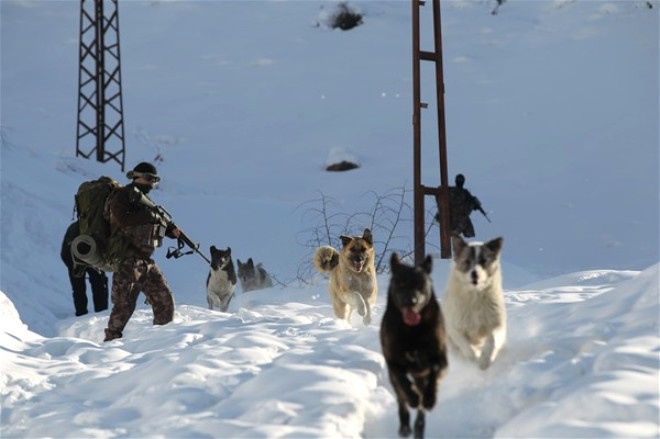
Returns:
(111,334)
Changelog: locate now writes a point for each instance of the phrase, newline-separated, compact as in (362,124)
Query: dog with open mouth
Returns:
(412,336)
(353,284)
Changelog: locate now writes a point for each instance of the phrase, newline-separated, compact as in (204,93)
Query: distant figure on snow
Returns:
(461,204)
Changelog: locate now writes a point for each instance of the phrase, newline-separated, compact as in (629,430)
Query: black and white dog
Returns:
(474,301)
(221,282)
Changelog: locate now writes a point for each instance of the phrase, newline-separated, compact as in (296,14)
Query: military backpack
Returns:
(90,248)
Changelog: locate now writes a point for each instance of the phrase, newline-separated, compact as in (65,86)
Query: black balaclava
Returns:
(144,188)
(143,167)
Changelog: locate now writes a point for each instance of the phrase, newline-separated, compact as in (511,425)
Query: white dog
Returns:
(473,303)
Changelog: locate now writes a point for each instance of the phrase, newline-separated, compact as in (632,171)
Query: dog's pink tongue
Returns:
(411,317)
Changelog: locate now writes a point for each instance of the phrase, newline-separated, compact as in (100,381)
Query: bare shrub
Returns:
(345,17)
(389,217)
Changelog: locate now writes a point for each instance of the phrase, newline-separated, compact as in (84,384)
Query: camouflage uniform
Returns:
(136,232)
(97,279)
(461,205)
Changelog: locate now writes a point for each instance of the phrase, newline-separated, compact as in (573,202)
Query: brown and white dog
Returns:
(352,272)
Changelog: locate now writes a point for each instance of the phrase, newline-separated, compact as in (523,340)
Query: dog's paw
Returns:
(357,303)
(366,320)
(413,399)
(429,400)
(404,431)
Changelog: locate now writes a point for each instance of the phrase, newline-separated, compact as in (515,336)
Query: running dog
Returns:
(353,282)
(221,281)
(253,277)
(412,336)
(473,301)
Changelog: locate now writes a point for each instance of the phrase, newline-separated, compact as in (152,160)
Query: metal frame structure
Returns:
(420,190)
(100,130)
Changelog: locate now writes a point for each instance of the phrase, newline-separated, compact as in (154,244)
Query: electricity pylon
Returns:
(100,129)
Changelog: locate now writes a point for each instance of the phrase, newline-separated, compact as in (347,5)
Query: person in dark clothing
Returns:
(97,279)
(461,204)
(135,233)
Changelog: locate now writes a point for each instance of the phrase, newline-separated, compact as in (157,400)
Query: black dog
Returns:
(412,336)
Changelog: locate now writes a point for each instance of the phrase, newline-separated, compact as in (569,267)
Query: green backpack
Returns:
(90,248)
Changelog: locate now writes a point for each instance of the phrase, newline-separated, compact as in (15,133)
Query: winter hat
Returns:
(142,168)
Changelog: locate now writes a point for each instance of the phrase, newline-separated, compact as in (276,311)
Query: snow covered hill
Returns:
(581,361)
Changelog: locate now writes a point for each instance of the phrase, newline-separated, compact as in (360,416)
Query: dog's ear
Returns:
(366,235)
(238,261)
(427,264)
(228,251)
(495,245)
(395,262)
(212,249)
(250,264)
(345,240)
(458,244)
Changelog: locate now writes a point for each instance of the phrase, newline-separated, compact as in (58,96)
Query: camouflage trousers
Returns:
(462,224)
(137,275)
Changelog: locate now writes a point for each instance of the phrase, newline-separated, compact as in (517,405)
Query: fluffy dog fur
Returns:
(412,336)
(473,302)
(253,277)
(221,281)
(353,282)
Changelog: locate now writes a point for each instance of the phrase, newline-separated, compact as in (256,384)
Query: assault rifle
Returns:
(484,213)
(182,240)
(478,207)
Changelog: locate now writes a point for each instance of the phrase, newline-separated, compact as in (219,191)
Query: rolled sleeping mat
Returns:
(84,248)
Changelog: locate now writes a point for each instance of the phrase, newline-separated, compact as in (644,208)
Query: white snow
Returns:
(552,115)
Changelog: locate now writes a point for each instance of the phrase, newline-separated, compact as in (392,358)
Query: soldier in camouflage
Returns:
(97,279)
(135,233)
(461,204)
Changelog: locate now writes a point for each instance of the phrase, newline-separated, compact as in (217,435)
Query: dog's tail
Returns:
(325,259)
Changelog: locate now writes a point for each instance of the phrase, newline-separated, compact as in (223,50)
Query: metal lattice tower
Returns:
(100,129)
(420,190)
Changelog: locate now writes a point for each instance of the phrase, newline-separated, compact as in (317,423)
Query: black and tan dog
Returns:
(352,272)
(412,336)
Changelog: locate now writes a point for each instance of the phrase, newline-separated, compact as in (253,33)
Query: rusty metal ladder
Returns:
(419,189)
